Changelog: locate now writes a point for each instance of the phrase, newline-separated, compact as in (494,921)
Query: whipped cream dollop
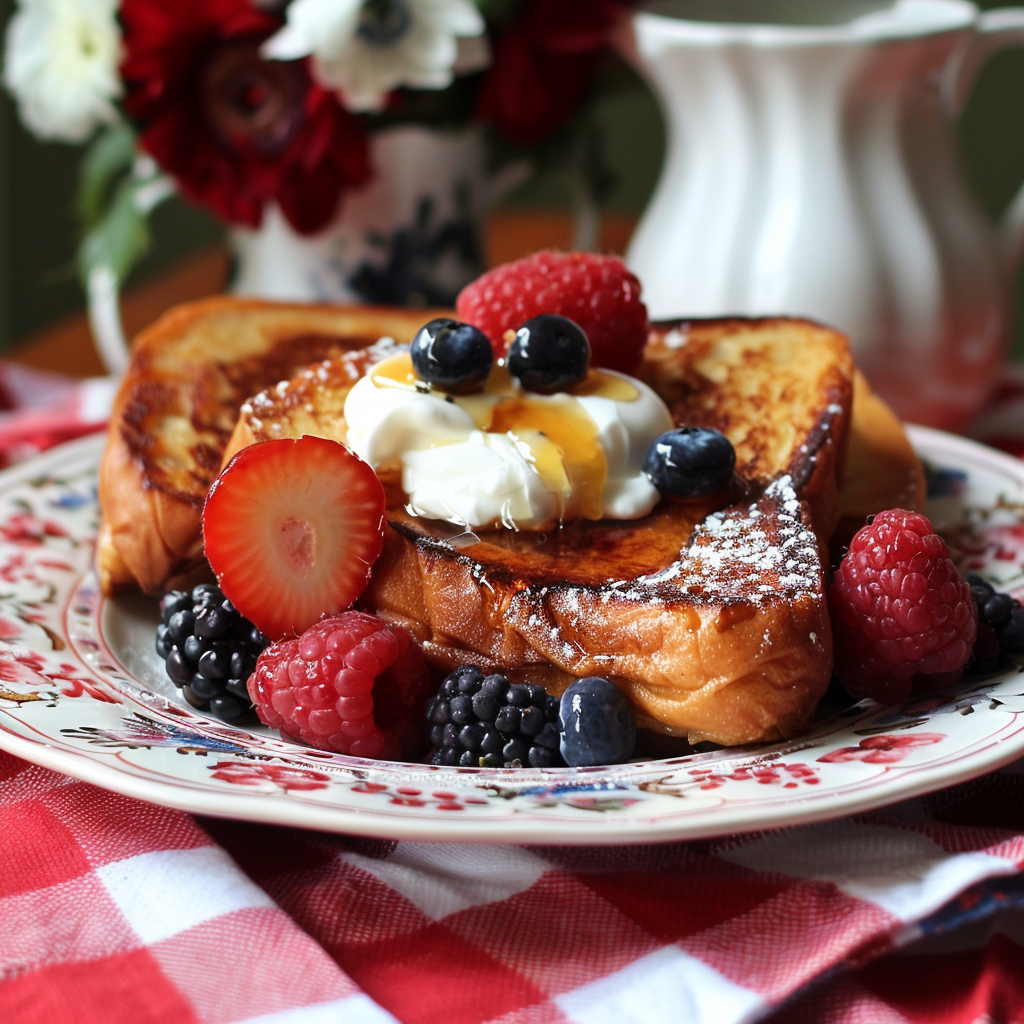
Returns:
(508,456)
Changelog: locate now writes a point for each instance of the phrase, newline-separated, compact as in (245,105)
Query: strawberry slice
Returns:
(292,528)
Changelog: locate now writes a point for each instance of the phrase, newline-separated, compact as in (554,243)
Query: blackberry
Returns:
(209,650)
(484,721)
(1000,622)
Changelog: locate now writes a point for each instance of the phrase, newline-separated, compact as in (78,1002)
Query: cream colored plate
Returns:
(83,692)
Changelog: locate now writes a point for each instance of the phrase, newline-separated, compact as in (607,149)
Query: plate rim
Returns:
(276,807)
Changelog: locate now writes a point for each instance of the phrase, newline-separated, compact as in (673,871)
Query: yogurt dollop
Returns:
(507,456)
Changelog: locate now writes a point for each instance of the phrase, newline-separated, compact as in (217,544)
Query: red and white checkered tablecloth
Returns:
(112,910)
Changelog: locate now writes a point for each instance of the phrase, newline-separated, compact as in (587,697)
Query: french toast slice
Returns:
(756,642)
(710,615)
(177,406)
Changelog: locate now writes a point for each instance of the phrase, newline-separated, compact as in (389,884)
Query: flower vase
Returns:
(413,236)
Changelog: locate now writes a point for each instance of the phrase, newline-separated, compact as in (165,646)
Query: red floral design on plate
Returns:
(286,777)
(414,796)
(885,749)
(27,529)
(11,629)
(767,773)
(23,665)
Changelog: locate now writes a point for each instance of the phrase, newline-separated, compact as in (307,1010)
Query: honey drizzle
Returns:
(554,432)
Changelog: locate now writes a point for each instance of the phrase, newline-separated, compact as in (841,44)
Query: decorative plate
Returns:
(82,691)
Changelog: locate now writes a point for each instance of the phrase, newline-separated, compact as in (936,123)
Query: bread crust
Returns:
(176,409)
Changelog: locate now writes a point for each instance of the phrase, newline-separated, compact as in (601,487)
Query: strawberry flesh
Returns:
(292,528)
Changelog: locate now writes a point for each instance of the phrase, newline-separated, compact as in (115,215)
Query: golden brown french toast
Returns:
(712,618)
(177,406)
(711,615)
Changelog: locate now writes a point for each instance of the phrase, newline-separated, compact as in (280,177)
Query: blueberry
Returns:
(453,356)
(691,462)
(597,724)
(550,353)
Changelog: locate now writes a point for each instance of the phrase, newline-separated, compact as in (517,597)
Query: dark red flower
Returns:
(544,64)
(236,131)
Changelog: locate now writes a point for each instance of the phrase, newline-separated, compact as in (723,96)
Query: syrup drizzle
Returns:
(554,433)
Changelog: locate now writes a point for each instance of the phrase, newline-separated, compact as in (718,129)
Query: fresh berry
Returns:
(352,683)
(596,292)
(550,353)
(209,650)
(484,721)
(1000,621)
(691,462)
(900,610)
(454,357)
(292,528)
(597,723)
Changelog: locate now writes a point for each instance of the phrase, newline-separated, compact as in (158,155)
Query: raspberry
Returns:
(352,683)
(597,292)
(900,610)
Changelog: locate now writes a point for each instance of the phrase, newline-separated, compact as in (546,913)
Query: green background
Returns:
(37,183)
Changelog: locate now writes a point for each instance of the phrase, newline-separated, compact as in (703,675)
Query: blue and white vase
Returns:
(413,236)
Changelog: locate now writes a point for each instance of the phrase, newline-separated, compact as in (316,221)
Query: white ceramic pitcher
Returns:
(812,170)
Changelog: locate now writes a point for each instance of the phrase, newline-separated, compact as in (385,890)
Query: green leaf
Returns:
(119,239)
(110,157)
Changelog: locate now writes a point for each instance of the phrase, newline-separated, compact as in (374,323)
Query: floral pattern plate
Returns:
(83,692)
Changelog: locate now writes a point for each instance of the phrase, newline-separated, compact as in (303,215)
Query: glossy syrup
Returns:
(554,432)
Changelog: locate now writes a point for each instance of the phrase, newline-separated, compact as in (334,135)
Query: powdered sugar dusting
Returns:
(756,553)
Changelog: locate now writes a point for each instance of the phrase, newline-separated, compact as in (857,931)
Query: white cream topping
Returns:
(558,457)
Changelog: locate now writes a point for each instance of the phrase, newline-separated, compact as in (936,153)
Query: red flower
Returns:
(544,65)
(235,130)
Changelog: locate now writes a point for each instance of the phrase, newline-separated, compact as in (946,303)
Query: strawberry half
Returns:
(292,528)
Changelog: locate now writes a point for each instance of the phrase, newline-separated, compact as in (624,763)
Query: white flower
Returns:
(60,62)
(366,48)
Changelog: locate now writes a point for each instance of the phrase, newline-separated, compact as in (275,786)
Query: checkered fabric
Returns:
(113,910)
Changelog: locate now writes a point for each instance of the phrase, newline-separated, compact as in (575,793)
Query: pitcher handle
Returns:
(997,30)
